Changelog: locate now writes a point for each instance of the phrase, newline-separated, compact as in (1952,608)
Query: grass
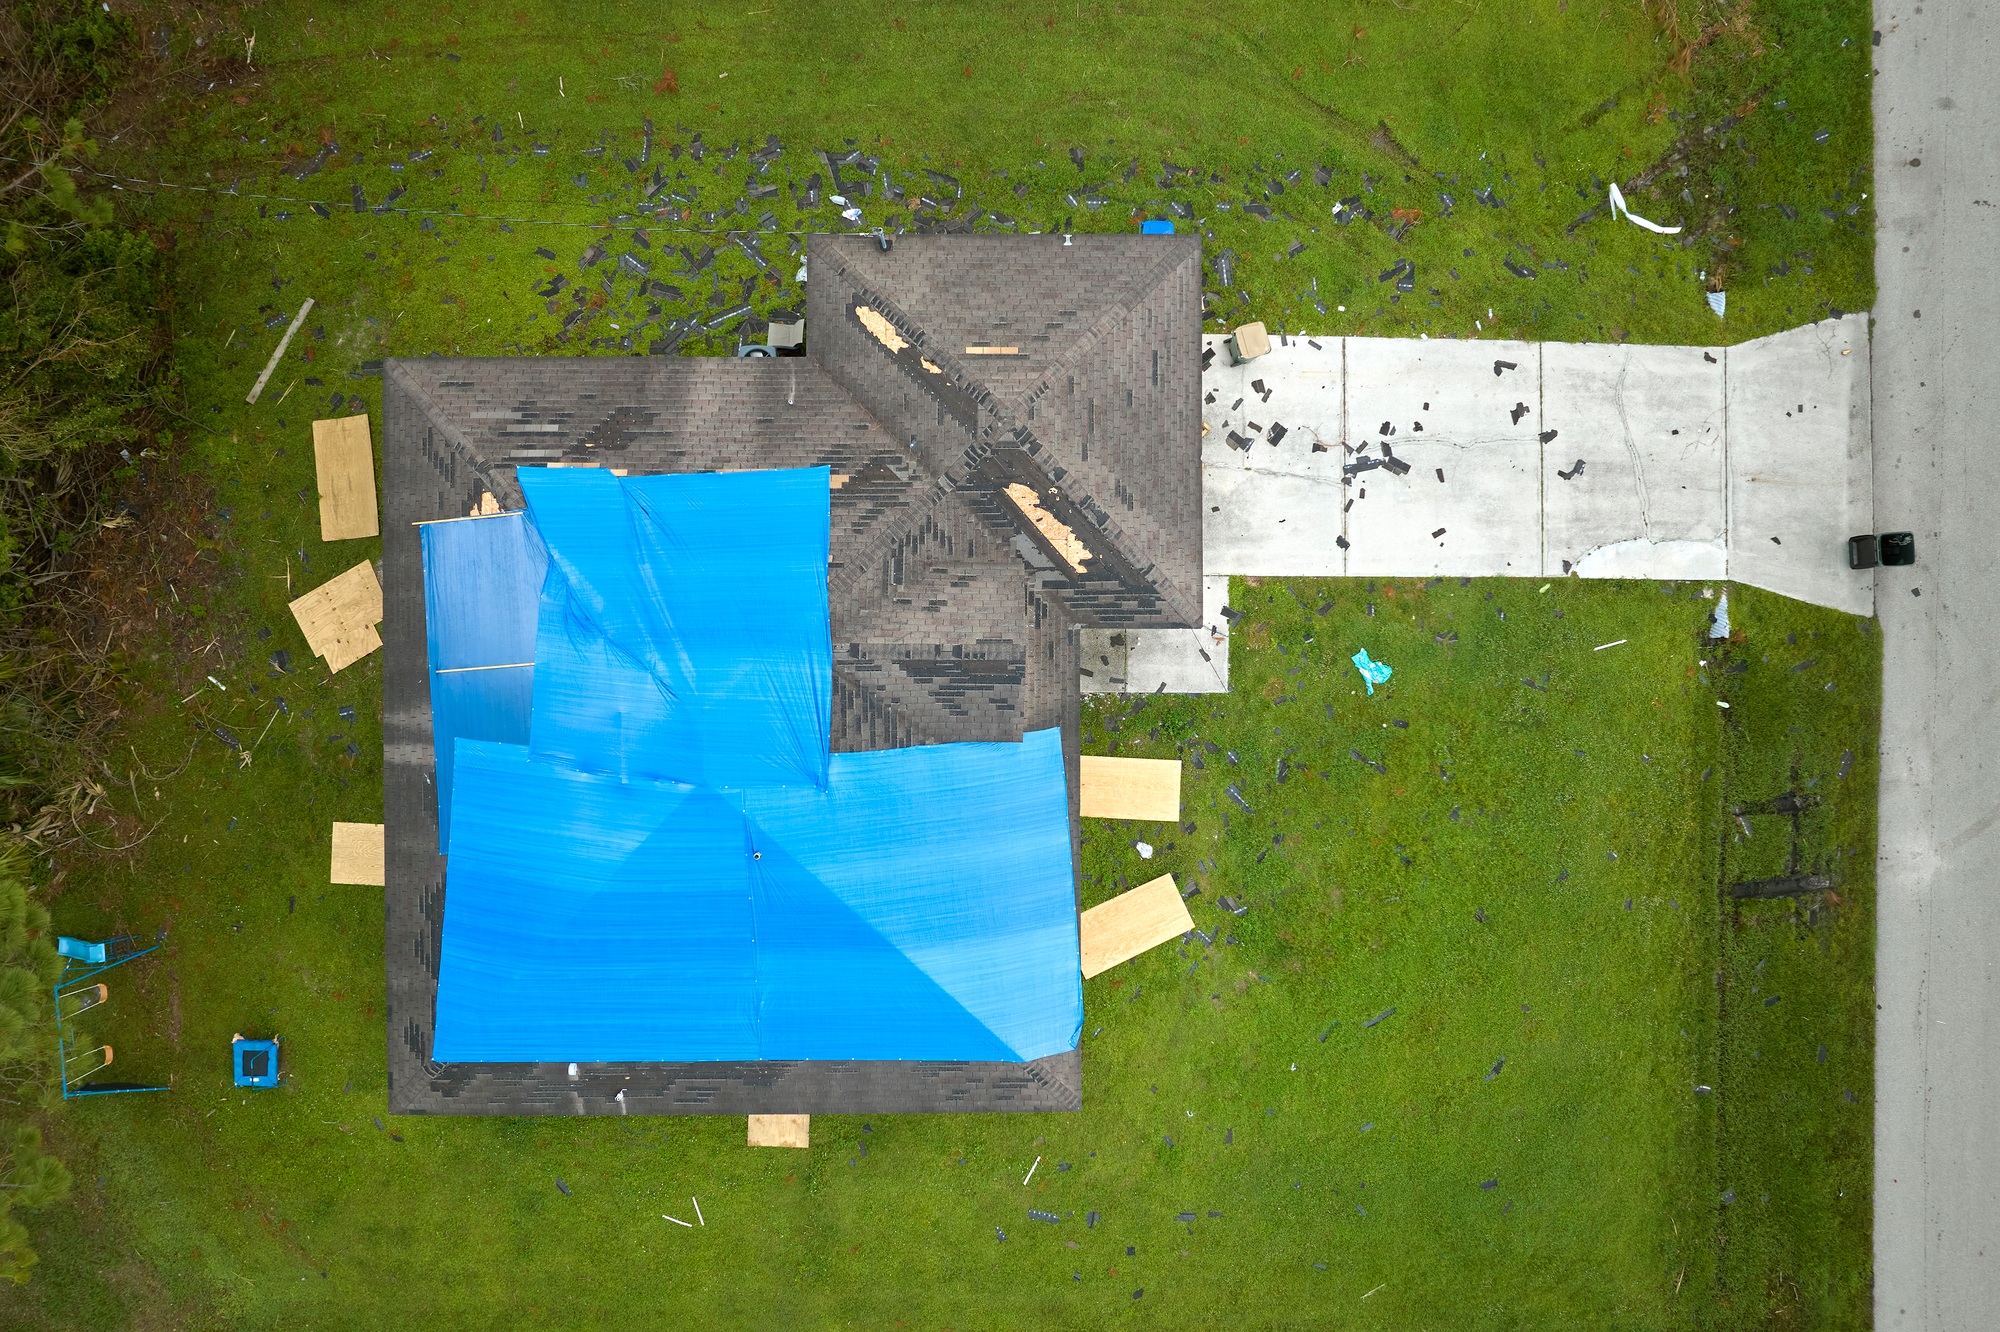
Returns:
(1487,910)
(1477,887)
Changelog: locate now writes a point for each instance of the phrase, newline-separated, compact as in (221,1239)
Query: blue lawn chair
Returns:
(81,950)
(255,1063)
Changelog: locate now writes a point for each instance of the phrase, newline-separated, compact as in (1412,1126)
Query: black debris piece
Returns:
(1234,794)
(1548,436)
(1489,1184)
(1519,410)
(1036,1214)
(545,252)
(1794,885)
(1385,1013)
(1573,472)
(281,661)
(1440,472)
(1090,1220)
(1495,1071)
(562,1186)
(1517,270)
(1498,366)
(1276,433)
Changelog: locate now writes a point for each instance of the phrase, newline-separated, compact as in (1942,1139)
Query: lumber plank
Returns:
(1130,923)
(780,1130)
(1129,788)
(344,457)
(339,616)
(357,854)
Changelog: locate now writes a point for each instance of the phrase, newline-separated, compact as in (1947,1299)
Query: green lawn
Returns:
(1478,886)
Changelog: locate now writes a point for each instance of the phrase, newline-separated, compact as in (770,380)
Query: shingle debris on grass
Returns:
(1036,1214)
(562,1186)
(1494,1072)
(1385,1013)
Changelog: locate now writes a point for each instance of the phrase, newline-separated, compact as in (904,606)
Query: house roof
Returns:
(981,511)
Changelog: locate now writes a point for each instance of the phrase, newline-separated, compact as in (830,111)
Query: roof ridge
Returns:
(398,369)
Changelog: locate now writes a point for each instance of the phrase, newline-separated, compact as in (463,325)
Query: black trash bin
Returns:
(1899,548)
(1862,552)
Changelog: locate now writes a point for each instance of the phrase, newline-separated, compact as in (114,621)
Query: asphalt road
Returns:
(1936,391)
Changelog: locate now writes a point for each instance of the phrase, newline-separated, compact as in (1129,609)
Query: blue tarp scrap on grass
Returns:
(920,907)
(659,860)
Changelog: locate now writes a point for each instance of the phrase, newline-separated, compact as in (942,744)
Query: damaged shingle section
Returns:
(1096,414)
(962,486)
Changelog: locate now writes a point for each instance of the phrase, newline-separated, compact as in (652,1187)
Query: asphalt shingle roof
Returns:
(967,482)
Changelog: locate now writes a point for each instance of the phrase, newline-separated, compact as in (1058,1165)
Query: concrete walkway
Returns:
(1407,458)
(1749,462)
(1937,473)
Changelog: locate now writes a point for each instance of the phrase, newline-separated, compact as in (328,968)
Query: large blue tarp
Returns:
(921,906)
(653,855)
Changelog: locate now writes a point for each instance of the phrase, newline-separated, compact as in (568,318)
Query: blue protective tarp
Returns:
(683,630)
(482,596)
(921,906)
(659,859)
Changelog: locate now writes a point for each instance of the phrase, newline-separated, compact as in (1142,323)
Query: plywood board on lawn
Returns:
(781,1130)
(345,460)
(1129,788)
(1130,923)
(339,616)
(357,854)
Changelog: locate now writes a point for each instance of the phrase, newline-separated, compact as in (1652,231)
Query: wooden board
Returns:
(1132,922)
(346,461)
(780,1130)
(339,616)
(357,854)
(1129,788)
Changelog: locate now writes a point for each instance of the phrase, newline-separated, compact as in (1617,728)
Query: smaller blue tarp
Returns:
(482,596)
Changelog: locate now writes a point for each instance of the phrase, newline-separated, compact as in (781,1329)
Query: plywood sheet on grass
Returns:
(339,616)
(1129,788)
(1132,922)
(357,854)
(345,460)
(780,1130)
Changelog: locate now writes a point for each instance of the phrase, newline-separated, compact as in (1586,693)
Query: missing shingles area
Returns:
(1059,535)
(878,324)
